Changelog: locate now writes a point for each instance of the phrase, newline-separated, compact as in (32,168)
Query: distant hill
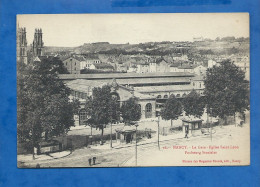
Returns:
(153,48)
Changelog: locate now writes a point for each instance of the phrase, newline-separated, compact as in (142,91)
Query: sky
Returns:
(70,30)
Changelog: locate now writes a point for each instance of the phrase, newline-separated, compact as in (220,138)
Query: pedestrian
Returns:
(89,161)
(186,132)
(94,160)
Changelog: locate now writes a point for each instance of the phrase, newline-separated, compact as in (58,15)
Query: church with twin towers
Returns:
(22,50)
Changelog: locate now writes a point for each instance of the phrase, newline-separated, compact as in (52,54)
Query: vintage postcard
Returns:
(127,90)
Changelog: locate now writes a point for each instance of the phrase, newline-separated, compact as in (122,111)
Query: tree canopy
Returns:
(226,90)
(130,110)
(193,104)
(102,108)
(172,109)
(43,103)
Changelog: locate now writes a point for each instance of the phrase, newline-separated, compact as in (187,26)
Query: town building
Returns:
(121,67)
(132,69)
(88,61)
(200,70)
(186,68)
(211,63)
(72,64)
(21,45)
(243,63)
(102,67)
(143,68)
(174,67)
(180,56)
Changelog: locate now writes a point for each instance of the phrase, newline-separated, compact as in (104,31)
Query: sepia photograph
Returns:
(133,90)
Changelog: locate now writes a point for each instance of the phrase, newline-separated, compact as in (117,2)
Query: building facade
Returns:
(81,89)
(73,65)
(151,89)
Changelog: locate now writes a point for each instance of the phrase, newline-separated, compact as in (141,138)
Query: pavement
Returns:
(42,157)
(225,136)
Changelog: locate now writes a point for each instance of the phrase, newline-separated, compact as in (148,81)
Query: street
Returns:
(148,153)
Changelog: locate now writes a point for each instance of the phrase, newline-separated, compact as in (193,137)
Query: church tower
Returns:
(21,45)
(37,46)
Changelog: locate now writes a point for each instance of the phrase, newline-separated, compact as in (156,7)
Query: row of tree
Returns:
(226,93)
(104,108)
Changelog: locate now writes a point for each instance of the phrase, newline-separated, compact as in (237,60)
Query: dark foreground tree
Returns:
(43,105)
(130,111)
(226,90)
(172,109)
(193,104)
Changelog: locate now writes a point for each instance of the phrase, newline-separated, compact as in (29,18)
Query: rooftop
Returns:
(164,88)
(124,75)
(86,86)
(103,66)
(187,67)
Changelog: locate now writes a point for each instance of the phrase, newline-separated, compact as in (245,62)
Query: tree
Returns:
(101,108)
(43,104)
(130,110)
(226,90)
(193,104)
(172,109)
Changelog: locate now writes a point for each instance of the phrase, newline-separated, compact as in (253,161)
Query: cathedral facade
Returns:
(21,45)
(37,45)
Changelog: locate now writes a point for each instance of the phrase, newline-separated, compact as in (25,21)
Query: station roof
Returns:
(164,88)
(123,75)
(86,86)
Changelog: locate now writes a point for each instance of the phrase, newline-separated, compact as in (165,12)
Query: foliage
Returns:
(172,109)
(130,110)
(43,104)
(193,104)
(101,108)
(226,90)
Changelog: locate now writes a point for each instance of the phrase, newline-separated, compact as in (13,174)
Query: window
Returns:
(200,85)
(159,97)
(165,97)
(82,116)
(178,95)
(149,107)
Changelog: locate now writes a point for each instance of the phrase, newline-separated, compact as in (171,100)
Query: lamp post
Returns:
(211,124)
(33,144)
(136,125)
(158,131)
(111,146)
